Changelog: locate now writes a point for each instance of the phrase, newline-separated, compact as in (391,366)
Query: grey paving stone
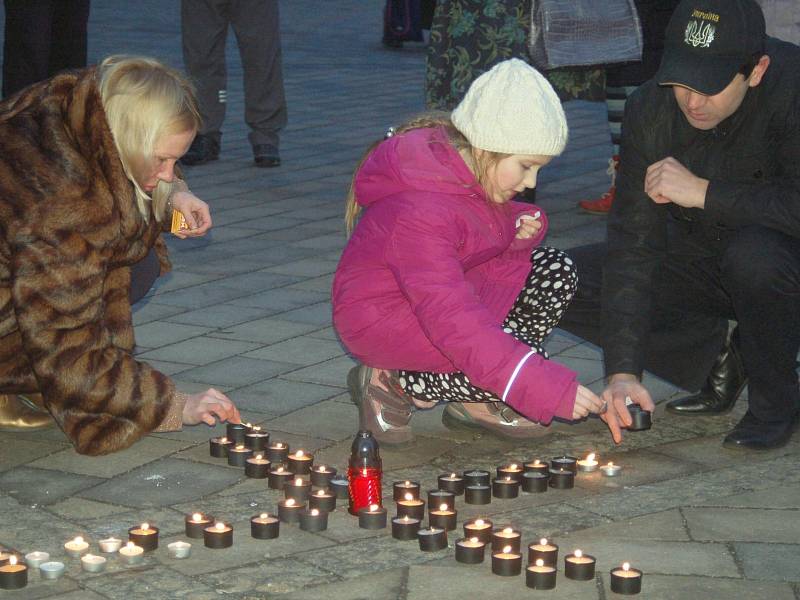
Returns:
(280,300)
(301,350)
(266,579)
(771,562)
(26,528)
(217,316)
(156,581)
(773,497)
(268,330)
(177,280)
(326,420)
(201,295)
(161,483)
(15,450)
(279,396)
(236,371)
(147,450)
(779,526)
(309,267)
(40,588)
(160,333)
(317,314)
(200,351)
(332,372)
(666,526)
(679,587)
(147,310)
(389,584)
(77,509)
(40,486)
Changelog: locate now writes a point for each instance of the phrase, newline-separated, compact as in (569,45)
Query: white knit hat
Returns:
(512,109)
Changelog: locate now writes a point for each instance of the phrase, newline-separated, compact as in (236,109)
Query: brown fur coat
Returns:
(69,231)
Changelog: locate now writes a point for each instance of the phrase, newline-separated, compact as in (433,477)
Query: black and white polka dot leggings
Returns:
(536,311)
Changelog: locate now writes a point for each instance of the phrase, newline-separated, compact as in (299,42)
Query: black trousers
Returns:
(753,279)
(42,37)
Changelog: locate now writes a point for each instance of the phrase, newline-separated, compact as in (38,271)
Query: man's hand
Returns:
(196,213)
(621,386)
(209,406)
(669,181)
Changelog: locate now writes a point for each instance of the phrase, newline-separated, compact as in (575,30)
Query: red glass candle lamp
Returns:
(364,472)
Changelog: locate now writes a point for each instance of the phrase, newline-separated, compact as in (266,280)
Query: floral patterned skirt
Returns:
(469,37)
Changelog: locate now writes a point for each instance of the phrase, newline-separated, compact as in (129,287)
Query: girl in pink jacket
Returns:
(443,292)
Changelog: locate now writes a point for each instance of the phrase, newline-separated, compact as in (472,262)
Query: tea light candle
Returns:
(322,500)
(514,471)
(218,536)
(297,488)
(110,545)
(145,536)
(372,517)
(506,562)
(195,523)
(219,446)
(14,574)
(536,466)
(477,494)
(444,518)
(278,452)
(565,462)
(321,476)
(51,570)
(507,536)
(476,477)
(405,528)
(439,497)
(257,466)
(479,528)
(4,556)
(179,549)
(238,455)
(411,507)
(92,563)
(278,477)
(265,526)
(300,462)
(235,432)
(588,464)
(505,487)
(400,489)
(256,439)
(76,547)
(611,470)
(641,419)
(432,539)
(562,479)
(545,551)
(340,487)
(625,580)
(289,510)
(534,482)
(470,550)
(35,559)
(453,483)
(579,566)
(540,576)
(313,520)
(132,554)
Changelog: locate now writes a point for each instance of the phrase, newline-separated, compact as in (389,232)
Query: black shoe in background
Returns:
(204,148)
(753,434)
(266,156)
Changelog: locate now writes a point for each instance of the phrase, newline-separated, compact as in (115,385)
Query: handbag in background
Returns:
(584,32)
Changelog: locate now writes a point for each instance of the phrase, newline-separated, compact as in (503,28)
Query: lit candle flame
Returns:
(298,454)
(145,526)
(508,530)
(373,507)
(256,428)
(409,497)
(365,472)
(610,464)
(626,566)
(223,440)
(508,478)
(322,469)
(279,470)
(539,562)
(506,549)
(452,475)
(578,553)
(130,545)
(264,515)
(479,522)
(290,502)
(543,542)
(298,481)
(197,517)
(474,540)
(248,424)
(220,526)
(12,560)
(536,462)
(443,507)
(513,466)
(239,447)
(314,512)
(78,540)
(279,445)
(321,493)
(405,518)
(407,483)
(590,457)
(259,456)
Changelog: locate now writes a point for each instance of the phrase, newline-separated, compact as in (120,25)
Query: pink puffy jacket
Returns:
(431,271)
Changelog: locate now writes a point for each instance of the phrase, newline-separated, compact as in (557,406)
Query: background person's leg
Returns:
(69,37)
(26,45)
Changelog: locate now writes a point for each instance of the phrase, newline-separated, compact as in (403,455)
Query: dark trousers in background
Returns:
(42,37)
(204,25)
(754,280)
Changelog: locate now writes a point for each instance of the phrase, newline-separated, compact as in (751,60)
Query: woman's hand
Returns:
(529,226)
(196,213)
(209,406)
(586,401)
(622,386)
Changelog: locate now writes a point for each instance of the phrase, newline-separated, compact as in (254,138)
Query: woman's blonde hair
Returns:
(479,161)
(145,100)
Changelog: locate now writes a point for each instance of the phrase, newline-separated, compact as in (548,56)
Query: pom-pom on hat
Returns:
(512,109)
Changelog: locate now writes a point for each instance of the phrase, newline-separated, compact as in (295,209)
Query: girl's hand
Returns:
(528,226)
(196,213)
(209,406)
(586,401)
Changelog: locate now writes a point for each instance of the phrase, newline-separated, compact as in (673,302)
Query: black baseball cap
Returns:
(707,41)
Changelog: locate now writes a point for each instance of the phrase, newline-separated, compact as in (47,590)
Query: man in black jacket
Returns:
(706,225)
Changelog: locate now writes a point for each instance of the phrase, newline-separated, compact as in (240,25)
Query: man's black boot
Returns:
(753,434)
(723,386)
(204,148)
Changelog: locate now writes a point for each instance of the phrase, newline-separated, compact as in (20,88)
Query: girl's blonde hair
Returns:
(145,100)
(479,161)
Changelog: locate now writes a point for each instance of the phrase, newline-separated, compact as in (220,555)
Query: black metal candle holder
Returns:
(506,562)
(536,466)
(479,528)
(543,550)
(257,468)
(477,494)
(476,477)
(322,500)
(579,567)
(413,508)
(238,455)
(313,520)
(565,463)
(405,528)
(442,519)
(401,488)
(534,482)
(13,575)
(147,537)
(265,526)
(432,539)
(216,537)
(506,536)
(278,452)
(540,577)
(372,517)
(289,510)
(562,479)
(641,418)
(256,439)
(514,471)
(626,581)
(451,482)
(235,432)
(438,497)
(321,476)
(297,488)
(505,488)
(218,446)
(300,462)
(470,551)
(194,527)
(278,477)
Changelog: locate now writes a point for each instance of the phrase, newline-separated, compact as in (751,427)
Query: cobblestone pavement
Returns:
(247,309)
